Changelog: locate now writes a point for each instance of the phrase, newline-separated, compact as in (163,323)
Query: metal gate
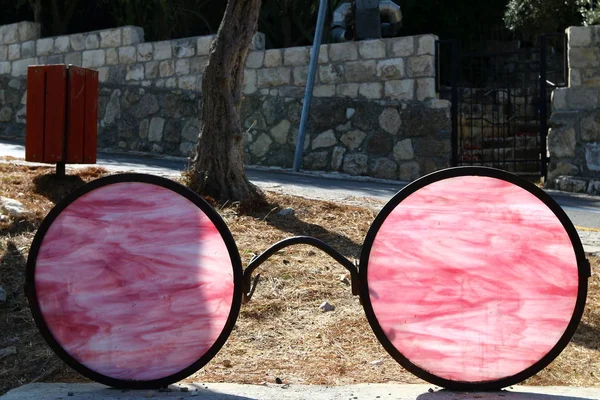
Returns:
(500,103)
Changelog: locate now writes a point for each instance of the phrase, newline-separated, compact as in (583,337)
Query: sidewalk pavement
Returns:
(226,391)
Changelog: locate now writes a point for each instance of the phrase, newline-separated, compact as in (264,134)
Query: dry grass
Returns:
(579,363)
(281,333)
(37,189)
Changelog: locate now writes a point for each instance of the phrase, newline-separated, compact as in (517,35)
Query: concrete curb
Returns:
(226,391)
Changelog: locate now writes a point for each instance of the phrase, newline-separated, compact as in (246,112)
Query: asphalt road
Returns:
(584,211)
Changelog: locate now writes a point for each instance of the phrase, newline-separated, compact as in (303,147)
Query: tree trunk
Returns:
(36,6)
(217,169)
(60,22)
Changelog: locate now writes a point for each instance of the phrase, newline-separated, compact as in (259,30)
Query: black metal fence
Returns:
(500,102)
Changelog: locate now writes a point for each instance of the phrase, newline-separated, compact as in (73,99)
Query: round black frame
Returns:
(582,265)
(210,213)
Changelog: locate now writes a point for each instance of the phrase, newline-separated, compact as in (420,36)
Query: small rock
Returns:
(350,113)
(344,279)
(12,207)
(227,364)
(285,212)
(156,148)
(149,395)
(376,362)
(3,218)
(325,306)
(184,389)
(344,128)
(278,381)
(70,394)
(8,351)
(2,295)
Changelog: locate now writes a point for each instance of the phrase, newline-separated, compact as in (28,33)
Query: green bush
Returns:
(469,21)
(590,11)
(534,17)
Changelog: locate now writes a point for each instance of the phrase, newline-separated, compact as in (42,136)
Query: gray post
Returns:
(310,84)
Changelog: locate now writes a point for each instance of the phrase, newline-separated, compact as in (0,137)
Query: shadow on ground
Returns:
(56,188)
(19,226)
(297,227)
(587,336)
(12,269)
(94,391)
(502,395)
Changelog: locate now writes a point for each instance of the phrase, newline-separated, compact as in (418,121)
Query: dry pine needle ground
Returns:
(281,333)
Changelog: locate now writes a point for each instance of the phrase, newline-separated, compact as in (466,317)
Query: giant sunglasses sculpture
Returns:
(471,278)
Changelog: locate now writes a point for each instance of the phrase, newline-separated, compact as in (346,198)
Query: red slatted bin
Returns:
(62,114)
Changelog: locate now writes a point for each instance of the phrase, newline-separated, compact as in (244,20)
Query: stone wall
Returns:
(393,69)
(375,110)
(120,55)
(12,107)
(574,136)
(356,137)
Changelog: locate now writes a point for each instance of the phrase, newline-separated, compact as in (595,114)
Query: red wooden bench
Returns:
(62,115)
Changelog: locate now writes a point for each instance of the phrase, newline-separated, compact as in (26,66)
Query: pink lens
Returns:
(134,281)
(472,279)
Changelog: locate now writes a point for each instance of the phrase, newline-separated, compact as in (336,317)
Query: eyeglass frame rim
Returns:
(207,209)
(583,267)
(362,275)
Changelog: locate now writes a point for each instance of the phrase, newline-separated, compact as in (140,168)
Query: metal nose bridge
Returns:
(249,283)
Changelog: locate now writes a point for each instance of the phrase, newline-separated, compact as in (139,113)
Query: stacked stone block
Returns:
(375,111)
(12,107)
(574,140)
(148,120)
(574,136)
(120,55)
(356,137)
(584,56)
(400,69)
